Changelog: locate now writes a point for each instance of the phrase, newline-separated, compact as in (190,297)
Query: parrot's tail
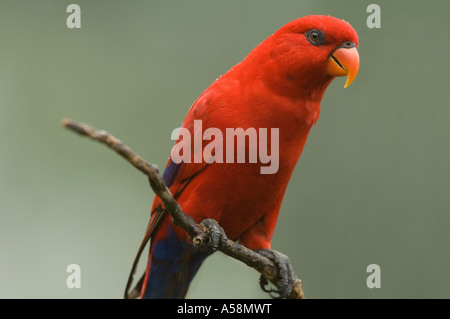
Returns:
(172,266)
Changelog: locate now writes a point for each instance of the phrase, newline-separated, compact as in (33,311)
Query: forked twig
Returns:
(197,233)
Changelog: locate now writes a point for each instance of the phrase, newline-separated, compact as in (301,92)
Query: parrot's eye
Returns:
(315,37)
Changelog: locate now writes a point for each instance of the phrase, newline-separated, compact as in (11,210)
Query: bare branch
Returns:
(197,233)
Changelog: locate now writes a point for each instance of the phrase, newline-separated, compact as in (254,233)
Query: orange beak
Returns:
(344,61)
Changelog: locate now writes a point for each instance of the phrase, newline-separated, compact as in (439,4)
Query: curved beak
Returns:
(344,61)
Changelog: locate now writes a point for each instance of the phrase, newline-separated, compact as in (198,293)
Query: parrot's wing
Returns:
(177,177)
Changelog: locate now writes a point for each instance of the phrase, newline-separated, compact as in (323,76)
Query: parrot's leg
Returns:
(217,239)
(286,277)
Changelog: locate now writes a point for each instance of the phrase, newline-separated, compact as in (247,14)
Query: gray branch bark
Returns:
(197,233)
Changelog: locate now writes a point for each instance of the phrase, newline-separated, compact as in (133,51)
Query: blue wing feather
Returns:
(171,172)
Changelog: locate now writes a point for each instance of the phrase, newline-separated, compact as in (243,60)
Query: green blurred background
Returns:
(372,186)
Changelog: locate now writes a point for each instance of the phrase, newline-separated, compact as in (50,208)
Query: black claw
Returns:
(263,283)
(217,238)
(286,277)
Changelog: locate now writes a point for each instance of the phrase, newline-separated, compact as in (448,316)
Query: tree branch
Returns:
(197,233)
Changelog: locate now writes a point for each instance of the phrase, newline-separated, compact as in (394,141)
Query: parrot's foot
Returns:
(217,236)
(286,277)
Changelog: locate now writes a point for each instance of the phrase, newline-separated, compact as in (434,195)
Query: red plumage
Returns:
(279,84)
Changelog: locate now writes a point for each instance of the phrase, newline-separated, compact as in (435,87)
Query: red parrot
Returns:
(279,84)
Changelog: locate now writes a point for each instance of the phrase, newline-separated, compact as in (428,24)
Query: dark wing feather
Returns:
(158,213)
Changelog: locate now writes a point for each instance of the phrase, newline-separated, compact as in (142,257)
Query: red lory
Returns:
(279,87)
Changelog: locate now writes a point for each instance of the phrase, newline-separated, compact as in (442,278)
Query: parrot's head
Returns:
(311,51)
